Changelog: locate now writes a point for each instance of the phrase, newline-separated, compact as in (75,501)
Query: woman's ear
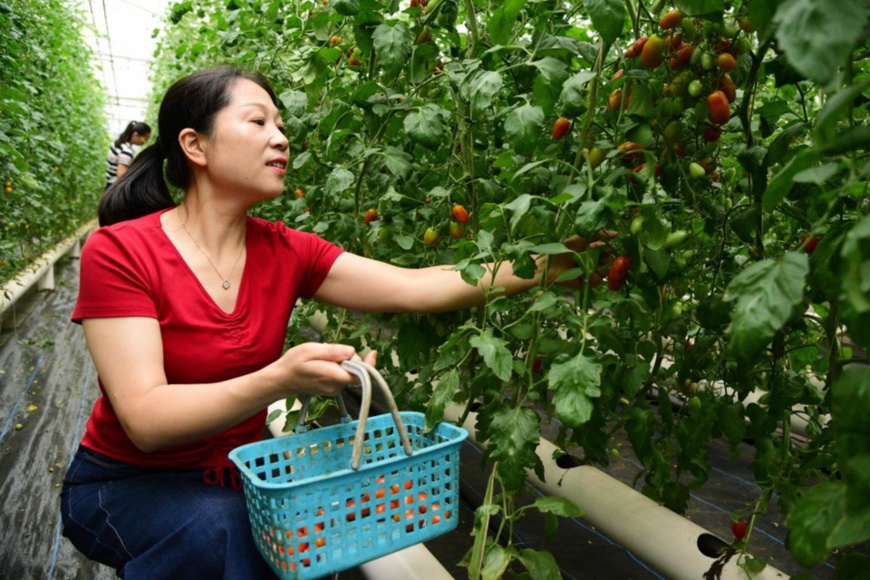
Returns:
(193,146)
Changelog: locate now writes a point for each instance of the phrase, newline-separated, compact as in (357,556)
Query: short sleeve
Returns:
(125,155)
(114,282)
(322,255)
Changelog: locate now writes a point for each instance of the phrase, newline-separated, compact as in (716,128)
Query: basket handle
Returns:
(365,372)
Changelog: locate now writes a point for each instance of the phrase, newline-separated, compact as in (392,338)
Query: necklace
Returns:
(226,281)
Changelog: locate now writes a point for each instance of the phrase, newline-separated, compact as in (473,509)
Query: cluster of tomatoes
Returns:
(8,187)
(697,91)
(457,226)
(431,235)
(687,68)
(303,538)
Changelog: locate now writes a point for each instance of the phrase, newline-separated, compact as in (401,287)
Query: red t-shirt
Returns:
(132,269)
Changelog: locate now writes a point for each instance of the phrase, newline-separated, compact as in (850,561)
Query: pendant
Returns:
(226,284)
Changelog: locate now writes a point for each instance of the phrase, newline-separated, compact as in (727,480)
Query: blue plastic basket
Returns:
(313,513)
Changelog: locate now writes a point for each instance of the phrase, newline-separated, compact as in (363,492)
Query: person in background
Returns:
(185,308)
(121,153)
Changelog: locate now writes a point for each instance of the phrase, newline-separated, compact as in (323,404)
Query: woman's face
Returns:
(247,148)
(138,139)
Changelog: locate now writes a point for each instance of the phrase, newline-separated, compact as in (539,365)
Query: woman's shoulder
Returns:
(276,229)
(128,233)
(279,234)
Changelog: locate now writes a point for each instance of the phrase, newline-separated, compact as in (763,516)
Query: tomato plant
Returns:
(53,138)
(741,158)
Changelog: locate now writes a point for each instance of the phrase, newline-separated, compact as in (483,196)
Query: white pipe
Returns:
(412,563)
(663,539)
(41,272)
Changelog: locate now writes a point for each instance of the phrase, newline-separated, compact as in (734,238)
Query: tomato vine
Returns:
(713,150)
(52,130)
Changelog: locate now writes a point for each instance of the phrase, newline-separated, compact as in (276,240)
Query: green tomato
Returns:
(637,225)
(695,88)
(689,28)
(707,61)
(696,171)
(676,238)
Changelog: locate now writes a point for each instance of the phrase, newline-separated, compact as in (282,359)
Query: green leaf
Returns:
(514,436)
(713,8)
(443,394)
(608,17)
(540,564)
(495,563)
(397,162)
(835,109)
(854,527)
(552,74)
(484,87)
(519,207)
(339,180)
(502,22)
(855,257)
(818,36)
(850,406)
(781,184)
(848,141)
(732,422)
(767,294)
(392,43)
(655,232)
(761,15)
(817,175)
(426,125)
(522,127)
(346,7)
(560,506)
(495,353)
(550,249)
(573,97)
(575,382)
(812,519)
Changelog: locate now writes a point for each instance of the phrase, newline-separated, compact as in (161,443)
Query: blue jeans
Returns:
(155,524)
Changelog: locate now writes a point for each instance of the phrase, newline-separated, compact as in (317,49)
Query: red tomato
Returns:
(726,61)
(618,272)
(371,215)
(460,214)
(726,85)
(561,128)
(635,49)
(718,107)
(653,52)
(671,19)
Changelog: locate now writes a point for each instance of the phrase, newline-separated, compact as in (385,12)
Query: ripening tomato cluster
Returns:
(457,226)
(419,513)
(8,187)
(687,69)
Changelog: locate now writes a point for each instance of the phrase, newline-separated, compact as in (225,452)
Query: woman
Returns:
(121,153)
(185,310)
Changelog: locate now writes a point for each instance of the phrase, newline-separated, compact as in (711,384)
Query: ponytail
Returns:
(140,191)
(132,127)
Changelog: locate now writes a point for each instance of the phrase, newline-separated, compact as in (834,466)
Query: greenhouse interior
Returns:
(526,289)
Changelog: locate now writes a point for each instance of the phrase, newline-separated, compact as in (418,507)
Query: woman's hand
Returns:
(314,368)
(558,264)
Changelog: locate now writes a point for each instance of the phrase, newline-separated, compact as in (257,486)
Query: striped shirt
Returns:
(122,155)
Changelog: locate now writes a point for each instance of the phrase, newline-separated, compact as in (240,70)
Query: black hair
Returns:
(190,103)
(134,127)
